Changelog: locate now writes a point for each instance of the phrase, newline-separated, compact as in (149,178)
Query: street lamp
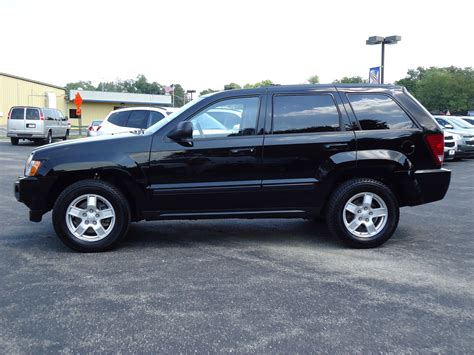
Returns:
(191,92)
(383,41)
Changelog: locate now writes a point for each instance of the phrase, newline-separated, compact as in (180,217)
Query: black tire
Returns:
(67,135)
(335,212)
(14,140)
(49,138)
(102,189)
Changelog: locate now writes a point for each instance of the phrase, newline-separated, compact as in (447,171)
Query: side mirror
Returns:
(448,126)
(183,132)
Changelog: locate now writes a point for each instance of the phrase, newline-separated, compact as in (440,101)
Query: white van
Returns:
(36,124)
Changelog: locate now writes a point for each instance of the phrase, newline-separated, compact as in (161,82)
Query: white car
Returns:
(131,118)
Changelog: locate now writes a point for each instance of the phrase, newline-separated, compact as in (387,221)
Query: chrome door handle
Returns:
(242,150)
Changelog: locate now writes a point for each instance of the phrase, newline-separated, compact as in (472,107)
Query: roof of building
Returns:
(121,97)
(32,81)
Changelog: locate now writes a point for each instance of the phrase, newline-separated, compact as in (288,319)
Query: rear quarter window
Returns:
(119,118)
(378,111)
(17,114)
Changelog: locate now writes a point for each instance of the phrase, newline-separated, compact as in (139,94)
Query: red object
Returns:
(78,102)
(41,116)
(10,114)
(436,144)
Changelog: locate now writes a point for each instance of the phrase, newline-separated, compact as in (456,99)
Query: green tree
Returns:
(350,80)
(84,85)
(259,84)
(207,91)
(440,89)
(232,86)
(314,79)
(178,95)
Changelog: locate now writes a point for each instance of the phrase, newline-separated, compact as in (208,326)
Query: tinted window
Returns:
(374,111)
(304,114)
(205,125)
(17,114)
(138,119)
(119,118)
(155,117)
(32,114)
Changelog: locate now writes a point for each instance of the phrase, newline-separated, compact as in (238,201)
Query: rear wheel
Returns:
(91,216)
(49,138)
(14,140)
(363,213)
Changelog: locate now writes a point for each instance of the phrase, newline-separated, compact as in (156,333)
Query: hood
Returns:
(76,143)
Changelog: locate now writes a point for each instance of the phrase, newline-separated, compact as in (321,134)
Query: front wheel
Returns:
(91,216)
(363,213)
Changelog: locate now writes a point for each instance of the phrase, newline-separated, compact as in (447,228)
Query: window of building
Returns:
(206,125)
(377,111)
(304,114)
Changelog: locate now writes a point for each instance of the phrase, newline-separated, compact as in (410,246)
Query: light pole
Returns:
(191,92)
(383,40)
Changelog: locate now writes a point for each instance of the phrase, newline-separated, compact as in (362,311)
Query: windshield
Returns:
(172,116)
(459,123)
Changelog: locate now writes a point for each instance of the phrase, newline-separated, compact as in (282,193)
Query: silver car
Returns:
(462,132)
(36,124)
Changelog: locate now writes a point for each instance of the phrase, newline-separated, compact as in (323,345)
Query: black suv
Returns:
(351,153)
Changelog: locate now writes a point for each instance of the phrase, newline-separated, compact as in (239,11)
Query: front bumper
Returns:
(464,151)
(34,192)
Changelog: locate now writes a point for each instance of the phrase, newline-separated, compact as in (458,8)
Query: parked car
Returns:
(126,119)
(468,119)
(462,133)
(93,128)
(450,146)
(353,153)
(36,124)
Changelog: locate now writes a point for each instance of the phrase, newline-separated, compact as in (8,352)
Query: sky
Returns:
(204,44)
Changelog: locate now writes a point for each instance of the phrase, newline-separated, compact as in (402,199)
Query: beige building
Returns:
(97,104)
(15,90)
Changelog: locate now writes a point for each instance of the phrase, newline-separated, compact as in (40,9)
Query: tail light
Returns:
(41,115)
(91,128)
(436,145)
(98,128)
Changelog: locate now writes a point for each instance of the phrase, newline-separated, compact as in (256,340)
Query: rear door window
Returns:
(138,119)
(17,114)
(119,118)
(378,111)
(304,114)
(32,114)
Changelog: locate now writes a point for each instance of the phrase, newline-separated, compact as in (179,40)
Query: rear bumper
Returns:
(25,135)
(425,186)
(34,193)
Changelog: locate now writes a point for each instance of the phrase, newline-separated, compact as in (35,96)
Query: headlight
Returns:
(32,166)
(456,137)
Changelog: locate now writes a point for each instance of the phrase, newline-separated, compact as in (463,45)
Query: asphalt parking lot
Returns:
(266,286)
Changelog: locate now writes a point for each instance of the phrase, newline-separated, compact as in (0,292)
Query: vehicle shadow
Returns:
(172,234)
